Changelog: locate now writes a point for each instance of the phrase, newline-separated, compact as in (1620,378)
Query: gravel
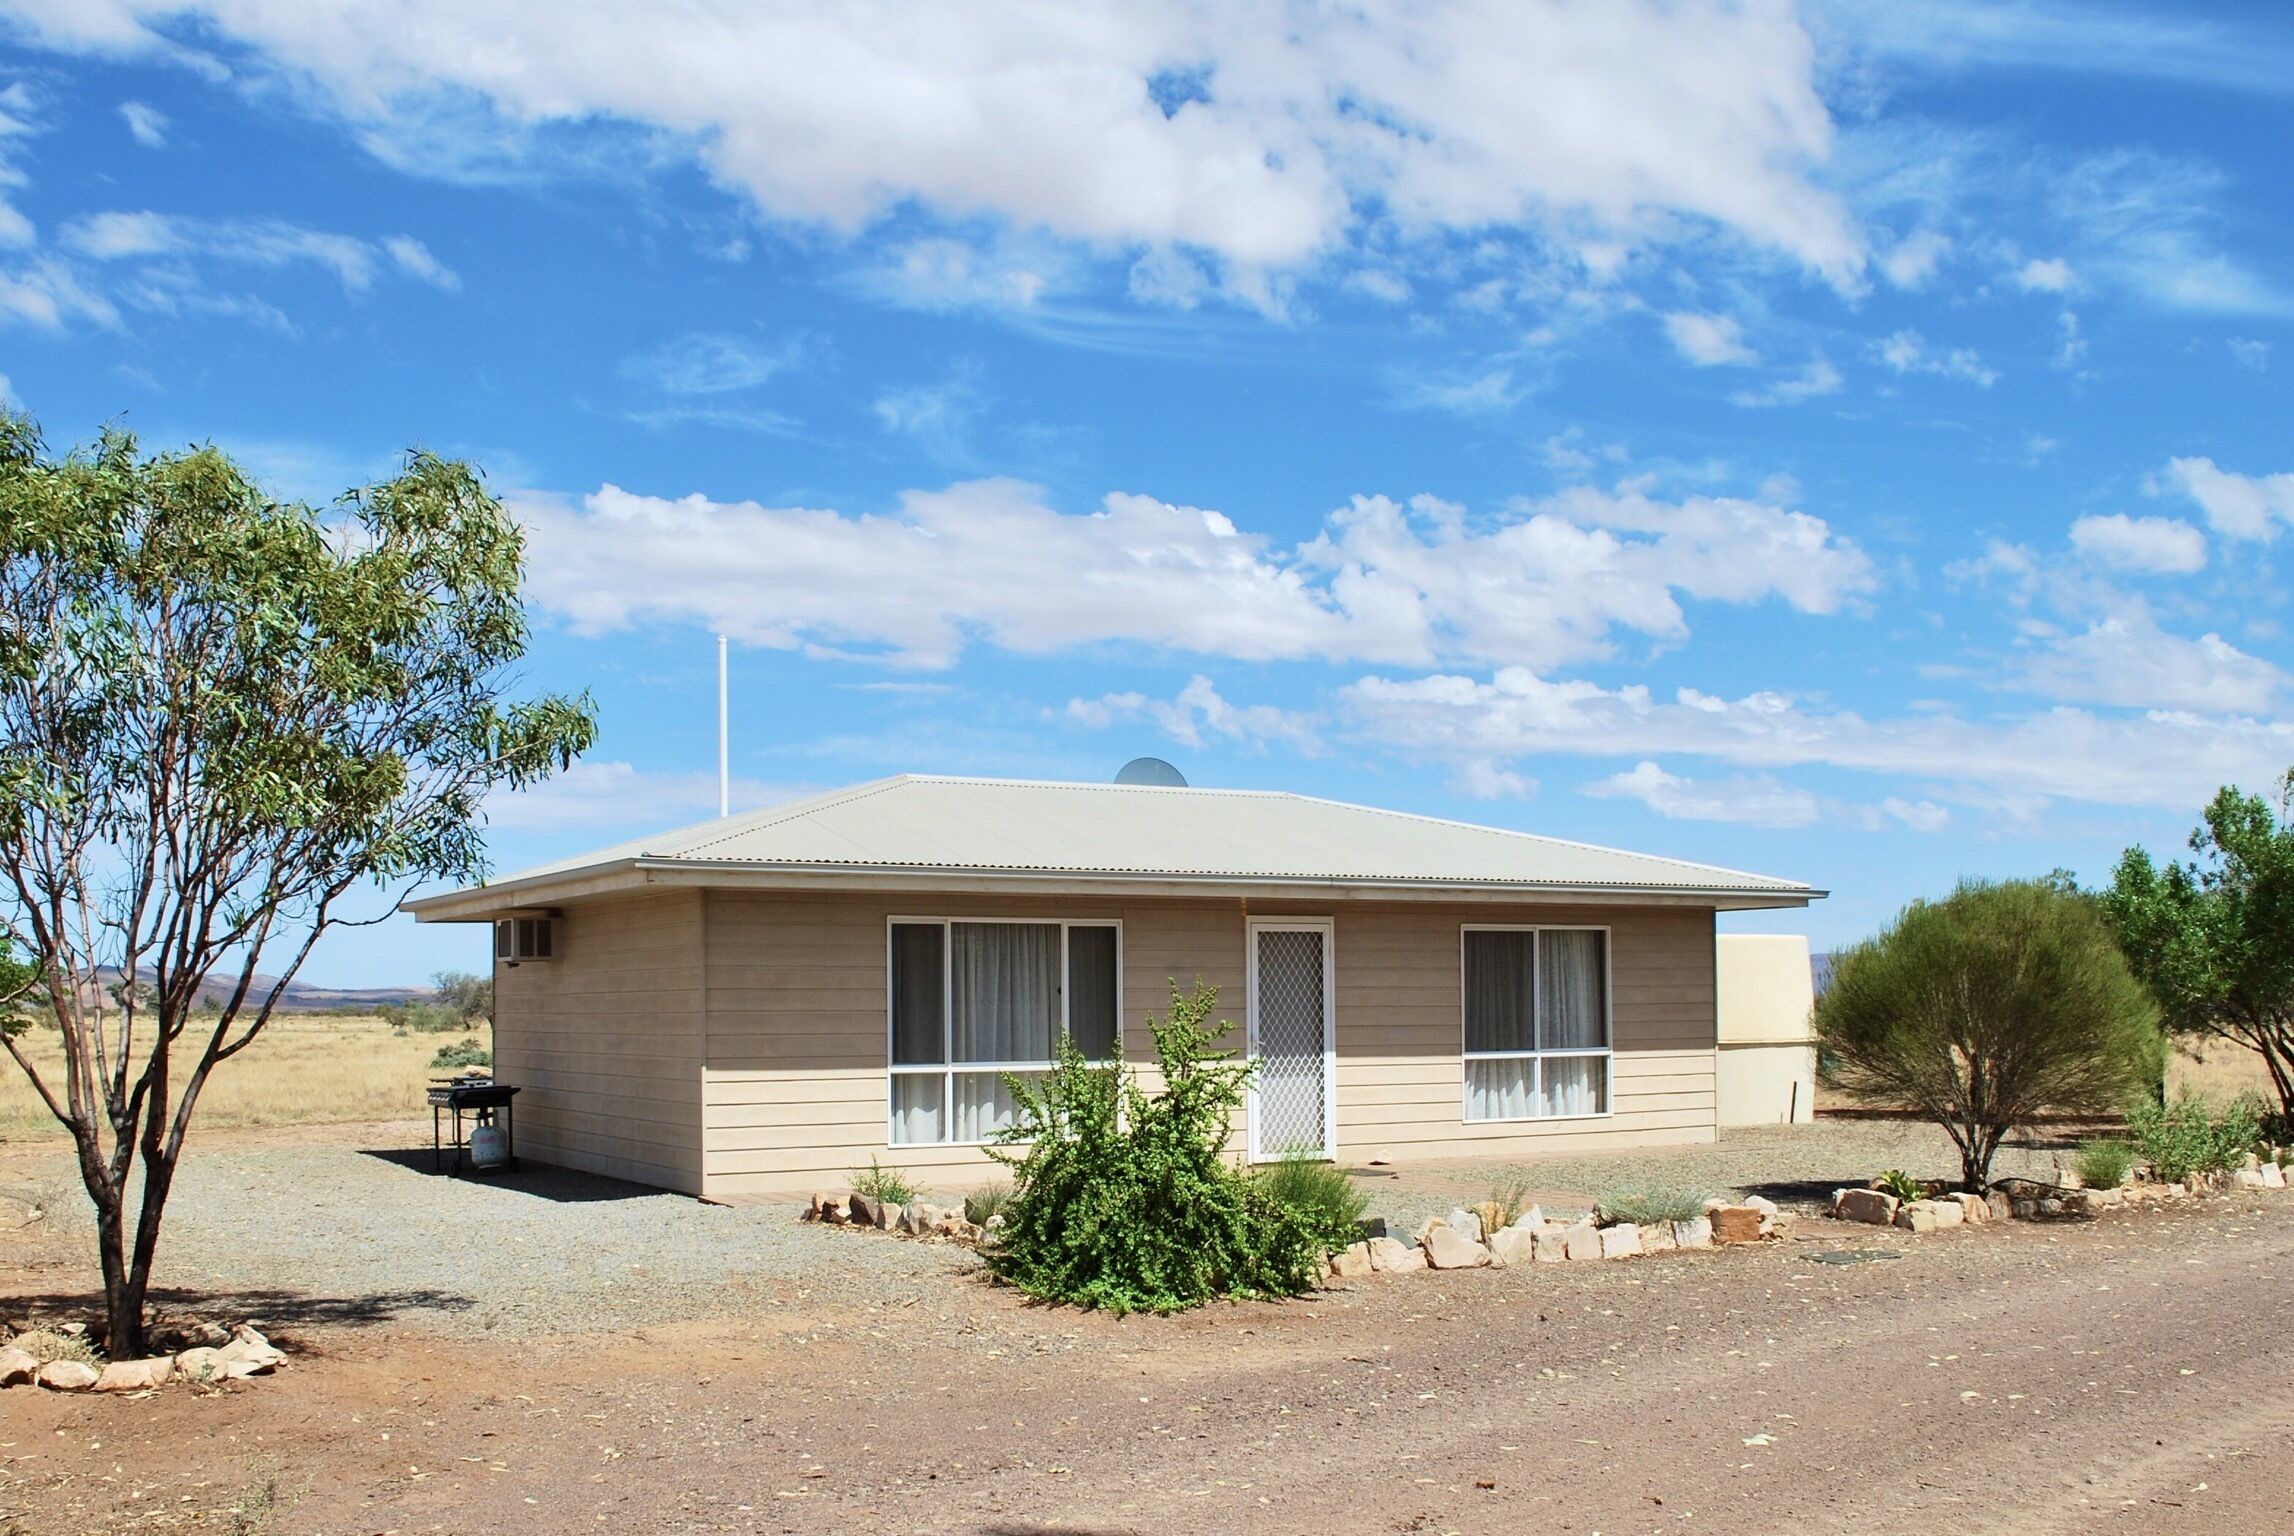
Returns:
(348,1224)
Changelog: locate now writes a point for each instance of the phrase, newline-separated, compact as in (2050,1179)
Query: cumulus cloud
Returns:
(1817,378)
(2126,659)
(1756,798)
(1907,352)
(1548,580)
(1199,708)
(1626,122)
(1708,340)
(2150,546)
(2170,759)
(2052,275)
(2236,506)
(1915,259)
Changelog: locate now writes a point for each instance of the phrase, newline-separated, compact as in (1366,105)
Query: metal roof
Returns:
(918,824)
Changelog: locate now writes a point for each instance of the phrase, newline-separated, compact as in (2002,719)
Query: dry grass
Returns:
(302,1070)
(2222,1073)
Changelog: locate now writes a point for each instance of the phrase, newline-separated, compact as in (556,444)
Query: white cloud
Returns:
(1919,815)
(48,295)
(2070,341)
(2053,275)
(2236,506)
(1708,340)
(1915,260)
(1629,122)
(1817,378)
(1755,798)
(147,123)
(2126,659)
(938,417)
(591,796)
(2147,222)
(1549,580)
(1907,352)
(708,363)
(415,260)
(2250,353)
(1198,708)
(2172,759)
(2158,546)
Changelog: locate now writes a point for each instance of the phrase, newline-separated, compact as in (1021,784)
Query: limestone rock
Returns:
(920,1218)
(67,1376)
(204,1364)
(887,1216)
(249,1353)
(1549,1244)
(1736,1224)
(1351,1262)
(1467,1224)
(1696,1232)
(1583,1242)
(2273,1176)
(1875,1206)
(1657,1237)
(1394,1257)
(1917,1216)
(1974,1210)
(1449,1248)
(1622,1241)
(1512,1245)
(135,1375)
(17,1366)
(2246,1178)
(1530,1220)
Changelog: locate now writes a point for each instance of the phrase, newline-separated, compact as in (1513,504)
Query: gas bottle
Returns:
(489,1148)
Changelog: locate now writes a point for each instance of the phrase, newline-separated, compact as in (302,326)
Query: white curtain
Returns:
(1575,1085)
(1005,977)
(1501,1090)
(916,1115)
(1572,1008)
(984,1104)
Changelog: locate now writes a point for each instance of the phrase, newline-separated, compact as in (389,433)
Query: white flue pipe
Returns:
(724,738)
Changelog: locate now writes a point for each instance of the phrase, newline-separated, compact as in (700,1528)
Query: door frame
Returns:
(1252,928)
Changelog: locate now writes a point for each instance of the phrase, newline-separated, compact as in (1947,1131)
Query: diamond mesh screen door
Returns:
(1292,1033)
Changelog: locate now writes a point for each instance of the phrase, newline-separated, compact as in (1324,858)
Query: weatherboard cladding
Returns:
(921,823)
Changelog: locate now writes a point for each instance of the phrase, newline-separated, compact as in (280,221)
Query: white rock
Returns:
(1584,1242)
(1550,1243)
(1622,1241)
(1875,1206)
(1697,1232)
(1448,1248)
(1512,1245)
(1351,1262)
(1657,1237)
(1392,1256)
(17,1366)
(135,1375)
(1467,1224)
(2273,1176)
(1530,1220)
(204,1364)
(67,1376)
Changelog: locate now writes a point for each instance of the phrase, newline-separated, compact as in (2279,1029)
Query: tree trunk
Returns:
(123,1293)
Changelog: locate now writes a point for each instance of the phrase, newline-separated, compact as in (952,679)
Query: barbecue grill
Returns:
(488,1104)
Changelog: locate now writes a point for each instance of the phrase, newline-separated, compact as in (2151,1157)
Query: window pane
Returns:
(1005,978)
(1501,972)
(984,1104)
(917,989)
(916,1115)
(1572,991)
(1091,1005)
(1575,1085)
(1501,1090)
(502,949)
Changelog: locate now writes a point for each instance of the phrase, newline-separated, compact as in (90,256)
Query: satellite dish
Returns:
(1152,771)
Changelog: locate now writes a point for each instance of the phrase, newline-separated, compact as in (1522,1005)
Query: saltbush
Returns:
(2103,1164)
(466,1052)
(1503,1205)
(2188,1137)
(1124,1199)
(1649,1207)
(886,1184)
(1319,1195)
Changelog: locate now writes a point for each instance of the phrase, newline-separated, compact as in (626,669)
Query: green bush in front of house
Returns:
(2188,1137)
(1124,1198)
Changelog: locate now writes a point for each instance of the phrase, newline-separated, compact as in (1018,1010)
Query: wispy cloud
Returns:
(1907,352)
(148,236)
(146,123)
(1708,340)
(1816,378)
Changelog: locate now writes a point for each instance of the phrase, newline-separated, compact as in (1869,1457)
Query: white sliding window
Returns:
(1536,1004)
(974,1000)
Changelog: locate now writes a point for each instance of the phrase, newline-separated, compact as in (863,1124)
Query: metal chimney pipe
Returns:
(724,740)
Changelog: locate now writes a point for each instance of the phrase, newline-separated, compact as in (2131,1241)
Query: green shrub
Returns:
(887,1184)
(466,1052)
(1901,1184)
(987,1201)
(2187,1137)
(44,1347)
(423,1018)
(2103,1164)
(1125,1199)
(1649,1207)
(1319,1195)
(1503,1205)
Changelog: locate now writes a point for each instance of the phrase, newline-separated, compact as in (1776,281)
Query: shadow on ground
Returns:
(562,1185)
(274,1308)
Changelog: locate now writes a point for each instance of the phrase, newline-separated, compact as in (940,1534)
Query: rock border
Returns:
(1457,1241)
(237,1354)
(919,1219)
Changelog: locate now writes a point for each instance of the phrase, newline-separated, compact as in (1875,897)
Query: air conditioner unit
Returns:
(518,939)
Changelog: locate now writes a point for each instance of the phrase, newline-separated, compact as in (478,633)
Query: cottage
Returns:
(757,1004)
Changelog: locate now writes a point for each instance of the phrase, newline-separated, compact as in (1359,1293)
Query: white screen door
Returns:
(1291,1099)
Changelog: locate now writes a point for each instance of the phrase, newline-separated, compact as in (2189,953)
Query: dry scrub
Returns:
(302,1070)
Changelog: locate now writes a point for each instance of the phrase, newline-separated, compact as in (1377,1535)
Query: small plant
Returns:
(1319,1194)
(986,1203)
(45,1346)
(2187,1137)
(1649,1207)
(466,1052)
(1503,1205)
(2103,1164)
(889,1185)
(1901,1184)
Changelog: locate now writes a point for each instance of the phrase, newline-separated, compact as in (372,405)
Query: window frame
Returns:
(948,1069)
(1606,1053)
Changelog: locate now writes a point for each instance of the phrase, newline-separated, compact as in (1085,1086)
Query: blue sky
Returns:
(1845,441)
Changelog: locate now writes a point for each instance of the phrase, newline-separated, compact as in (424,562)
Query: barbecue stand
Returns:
(483,1098)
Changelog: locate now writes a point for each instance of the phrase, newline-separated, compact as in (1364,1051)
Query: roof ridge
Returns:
(724,827)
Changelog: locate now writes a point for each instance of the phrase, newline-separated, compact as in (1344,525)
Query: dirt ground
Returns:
(2130,1373)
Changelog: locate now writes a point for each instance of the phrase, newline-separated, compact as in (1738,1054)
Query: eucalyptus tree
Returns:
(228,724)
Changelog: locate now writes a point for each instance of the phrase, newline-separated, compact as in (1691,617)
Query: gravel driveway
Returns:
(348,1223)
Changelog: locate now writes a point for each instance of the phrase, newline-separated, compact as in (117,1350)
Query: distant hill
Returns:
(303,996)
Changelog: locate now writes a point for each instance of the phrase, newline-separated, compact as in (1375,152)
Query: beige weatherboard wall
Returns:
(1767,1004)
(751,1007)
